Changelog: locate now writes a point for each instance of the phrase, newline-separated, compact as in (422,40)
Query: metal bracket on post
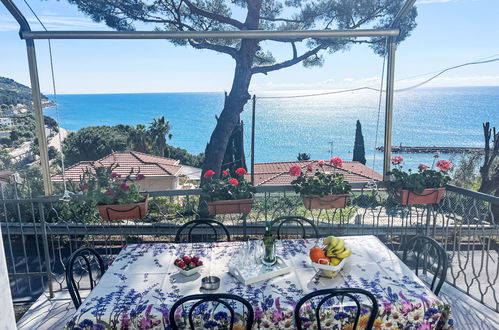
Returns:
(390,82)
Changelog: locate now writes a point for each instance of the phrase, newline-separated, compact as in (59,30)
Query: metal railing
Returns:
(41,233)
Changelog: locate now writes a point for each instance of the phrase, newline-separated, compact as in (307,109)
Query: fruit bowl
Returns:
(191,271)
(326,270)
(188,266)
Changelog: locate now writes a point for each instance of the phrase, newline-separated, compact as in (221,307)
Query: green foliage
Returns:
(12,93)
(184,157)
(466,174)
(227,186)
(321,184)
(103,186)
(303,156)
(158,131)
(359,150)
(94,142)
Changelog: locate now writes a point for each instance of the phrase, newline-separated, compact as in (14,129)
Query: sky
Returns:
(449,32)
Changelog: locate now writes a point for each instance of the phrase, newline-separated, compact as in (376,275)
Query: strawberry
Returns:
(195,259)
(187,259)
(199,263)
(181,264)
(177,261)
(192,265)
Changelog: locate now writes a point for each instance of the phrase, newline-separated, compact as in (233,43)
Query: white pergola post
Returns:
(7,316)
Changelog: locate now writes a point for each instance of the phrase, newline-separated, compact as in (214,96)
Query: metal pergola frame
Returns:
(30,36)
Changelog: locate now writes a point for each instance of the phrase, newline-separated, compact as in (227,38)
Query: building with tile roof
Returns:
(160,173)
(277,173)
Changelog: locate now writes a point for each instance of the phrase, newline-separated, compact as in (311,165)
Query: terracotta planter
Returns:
(124,211)
(337,201)
(427,196)
(230,206)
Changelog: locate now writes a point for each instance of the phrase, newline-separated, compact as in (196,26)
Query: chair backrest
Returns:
(81,262)
(422,253)
(337,295)
(220,303)
(293,226)
(201,230)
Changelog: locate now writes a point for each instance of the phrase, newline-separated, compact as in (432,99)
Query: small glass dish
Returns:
(210,282)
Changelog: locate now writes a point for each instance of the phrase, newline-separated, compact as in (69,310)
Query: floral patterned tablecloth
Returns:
(142,283)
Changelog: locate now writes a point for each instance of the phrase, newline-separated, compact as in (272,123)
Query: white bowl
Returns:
(327,270)
(189,272)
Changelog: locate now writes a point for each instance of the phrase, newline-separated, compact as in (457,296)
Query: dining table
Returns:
(142,283)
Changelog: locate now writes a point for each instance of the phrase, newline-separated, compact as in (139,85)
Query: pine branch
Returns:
(214,16)
(296,59)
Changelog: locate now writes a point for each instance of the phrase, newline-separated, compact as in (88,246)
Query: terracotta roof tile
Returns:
(148,165)
(276,174)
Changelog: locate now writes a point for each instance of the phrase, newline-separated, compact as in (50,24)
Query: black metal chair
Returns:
(81,262)
(217,300)
(340,293)
(422,253)
(293,226)
(201,230)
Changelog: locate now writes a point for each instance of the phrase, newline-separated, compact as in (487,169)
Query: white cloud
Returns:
(52,21)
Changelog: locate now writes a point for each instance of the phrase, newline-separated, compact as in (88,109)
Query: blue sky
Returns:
(449,32)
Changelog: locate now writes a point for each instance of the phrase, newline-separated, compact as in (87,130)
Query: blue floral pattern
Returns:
(142,284)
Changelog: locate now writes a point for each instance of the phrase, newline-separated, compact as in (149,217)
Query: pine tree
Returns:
(359,151)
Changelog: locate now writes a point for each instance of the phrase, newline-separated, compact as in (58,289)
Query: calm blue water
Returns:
(285,127)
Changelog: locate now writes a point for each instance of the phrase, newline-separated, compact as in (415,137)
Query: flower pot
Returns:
(230,206)
(124,211)
(337,201)
(427,196)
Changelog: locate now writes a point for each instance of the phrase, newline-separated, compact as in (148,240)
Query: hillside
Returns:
(12,93)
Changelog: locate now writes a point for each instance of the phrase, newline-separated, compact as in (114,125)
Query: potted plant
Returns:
(426,186)
(116,198)
(227,194)
(321,190)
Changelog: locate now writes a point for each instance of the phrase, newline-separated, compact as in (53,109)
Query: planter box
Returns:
(338,201)
(230,206)
(427,196)
(124,211)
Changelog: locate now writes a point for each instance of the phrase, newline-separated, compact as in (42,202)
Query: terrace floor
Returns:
(467,312)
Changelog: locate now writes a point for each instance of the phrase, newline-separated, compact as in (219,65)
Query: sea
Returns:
(285,125)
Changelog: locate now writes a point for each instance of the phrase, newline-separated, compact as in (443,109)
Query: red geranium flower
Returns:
(444,165)
(336,161)
(208,174)
(109,192)
(84,187)
(309,167)
(225,173)
(397,160)
(241,171)
(321,162)
(422,167)
(124,186)
(295,170)
(115,175)
(234,182)
(140,177)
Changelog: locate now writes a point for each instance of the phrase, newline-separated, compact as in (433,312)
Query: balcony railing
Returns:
(40,233)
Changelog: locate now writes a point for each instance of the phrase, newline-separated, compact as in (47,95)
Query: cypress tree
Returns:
(359,151)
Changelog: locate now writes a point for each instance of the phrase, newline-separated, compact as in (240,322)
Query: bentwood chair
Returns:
(202,231)
(211,308)
(294,227)
(88,267)
(428,259)
(321,300)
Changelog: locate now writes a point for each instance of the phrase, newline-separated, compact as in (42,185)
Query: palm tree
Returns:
(158,131)
(138,139)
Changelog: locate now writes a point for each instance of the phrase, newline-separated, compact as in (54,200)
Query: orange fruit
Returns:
(317,253)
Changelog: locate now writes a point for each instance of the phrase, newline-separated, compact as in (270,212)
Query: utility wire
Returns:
(378,90)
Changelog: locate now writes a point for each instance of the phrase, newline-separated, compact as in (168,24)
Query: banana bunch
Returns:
(336,250)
